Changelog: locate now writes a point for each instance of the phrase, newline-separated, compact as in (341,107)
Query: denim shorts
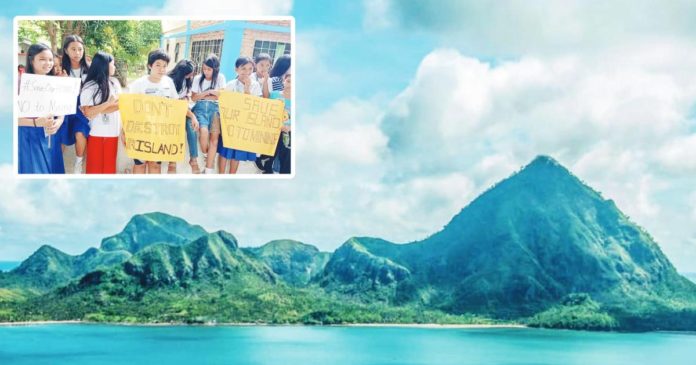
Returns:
(206,112)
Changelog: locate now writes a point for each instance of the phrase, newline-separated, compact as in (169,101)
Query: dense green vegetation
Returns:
(577,311)
(539,248)
(129,41)
(294,262)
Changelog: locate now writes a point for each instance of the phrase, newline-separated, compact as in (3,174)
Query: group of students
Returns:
(95,128)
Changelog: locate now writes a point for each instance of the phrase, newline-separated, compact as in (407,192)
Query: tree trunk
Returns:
(52,30)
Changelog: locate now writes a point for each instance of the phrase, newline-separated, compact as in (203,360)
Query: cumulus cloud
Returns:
(21,203)
(679,156)
(619,119)
(346,134)
(229,8)
(563,106)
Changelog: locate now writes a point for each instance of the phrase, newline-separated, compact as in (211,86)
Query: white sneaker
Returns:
(209,171)
(77,169)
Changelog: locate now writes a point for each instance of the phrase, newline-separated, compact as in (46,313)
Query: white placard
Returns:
(41,95)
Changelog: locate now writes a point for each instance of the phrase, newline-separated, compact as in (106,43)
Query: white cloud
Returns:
(345,134)
(564,106)
(231,8)
(679,156)
(18,202)
(619,119)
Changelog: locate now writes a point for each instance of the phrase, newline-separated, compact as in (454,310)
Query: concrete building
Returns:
(194,40)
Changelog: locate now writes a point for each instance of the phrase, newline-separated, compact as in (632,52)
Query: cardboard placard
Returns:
(155,127)
(250,123)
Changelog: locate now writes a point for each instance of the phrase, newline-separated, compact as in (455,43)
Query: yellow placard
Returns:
(250,123)
(155,127)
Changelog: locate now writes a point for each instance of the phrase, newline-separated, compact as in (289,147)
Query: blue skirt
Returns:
(77,123)
(35,157)
(73,124)
(232,154)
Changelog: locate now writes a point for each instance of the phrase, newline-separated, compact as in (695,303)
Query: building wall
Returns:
(208,36)
(195,24)
(171,43)
(250,36)
(280,23)
(239,38)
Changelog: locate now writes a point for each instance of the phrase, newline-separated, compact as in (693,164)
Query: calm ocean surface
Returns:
(8,265)
(102,344)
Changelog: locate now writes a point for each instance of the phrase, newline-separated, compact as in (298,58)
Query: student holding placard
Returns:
(182,75)
(205,92)
(99,99)
(242,84)
(76,129)
(37,153)
(155,83)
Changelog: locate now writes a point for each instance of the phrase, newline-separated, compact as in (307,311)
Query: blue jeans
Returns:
(192,139)
(205,111)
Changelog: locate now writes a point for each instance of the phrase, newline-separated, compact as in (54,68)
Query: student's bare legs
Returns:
(80,148)
(234,165)
(154,168)
(203,139)
(212,149)
(222,164)
(80,144)
(139,169)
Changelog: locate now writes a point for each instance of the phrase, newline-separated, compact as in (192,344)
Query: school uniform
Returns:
(105,128)
(77,122)
(164,88)
(269,81)
(35,155)
(231,153)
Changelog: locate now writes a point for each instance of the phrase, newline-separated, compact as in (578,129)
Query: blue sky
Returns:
(407,113)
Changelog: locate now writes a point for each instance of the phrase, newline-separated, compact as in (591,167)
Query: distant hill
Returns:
(540,247)
(148,229)
(48,267)
(294,262)
(522,247)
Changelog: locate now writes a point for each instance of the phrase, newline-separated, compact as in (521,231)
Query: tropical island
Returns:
(540,248)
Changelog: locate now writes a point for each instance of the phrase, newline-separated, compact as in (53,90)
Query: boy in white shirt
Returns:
(155,83)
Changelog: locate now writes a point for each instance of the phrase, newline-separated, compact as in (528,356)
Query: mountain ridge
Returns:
(540,246)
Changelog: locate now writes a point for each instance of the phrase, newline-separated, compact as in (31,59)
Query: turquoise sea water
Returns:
(102,344)
(8,265)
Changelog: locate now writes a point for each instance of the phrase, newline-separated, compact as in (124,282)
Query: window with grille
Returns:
(176,52)
(201,49)
(274,49)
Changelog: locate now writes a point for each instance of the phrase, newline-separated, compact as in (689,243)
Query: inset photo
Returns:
(167,96)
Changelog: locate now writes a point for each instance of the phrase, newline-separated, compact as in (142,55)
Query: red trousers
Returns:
(101,155)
